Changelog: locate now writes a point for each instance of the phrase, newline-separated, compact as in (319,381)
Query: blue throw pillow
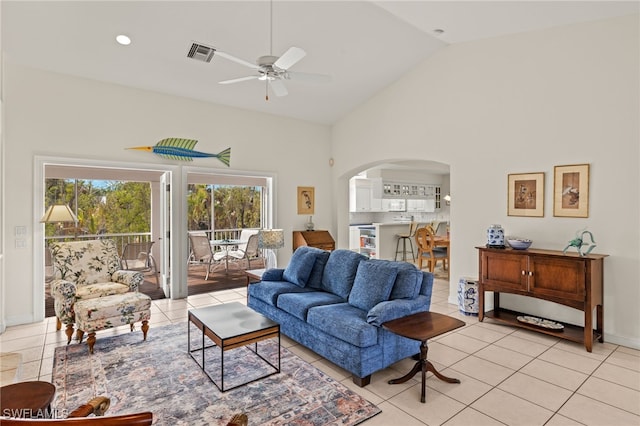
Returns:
(315,278)
(372,285)
(408,282)
(299,268)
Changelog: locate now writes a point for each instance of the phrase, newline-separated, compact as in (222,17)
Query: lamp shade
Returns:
(58,213)
(271,239)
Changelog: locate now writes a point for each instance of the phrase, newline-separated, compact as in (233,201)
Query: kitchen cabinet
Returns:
(360,194)
(376,195)
(421,205)
(567,279)
(393,205)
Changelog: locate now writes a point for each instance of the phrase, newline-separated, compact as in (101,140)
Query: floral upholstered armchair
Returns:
(87,270)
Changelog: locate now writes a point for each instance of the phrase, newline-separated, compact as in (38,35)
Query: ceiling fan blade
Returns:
(278,87)
(289,58)
(305,76)
(236,60)
(238,80)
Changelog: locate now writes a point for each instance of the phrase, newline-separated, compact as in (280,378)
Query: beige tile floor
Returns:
(508,375)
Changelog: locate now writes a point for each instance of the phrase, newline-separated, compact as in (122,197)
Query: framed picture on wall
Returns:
(525,194)
(571,190)
(306,200)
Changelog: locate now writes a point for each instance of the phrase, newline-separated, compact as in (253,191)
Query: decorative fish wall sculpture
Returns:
(182,149)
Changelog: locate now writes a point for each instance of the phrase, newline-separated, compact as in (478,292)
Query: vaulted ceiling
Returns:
(363,45)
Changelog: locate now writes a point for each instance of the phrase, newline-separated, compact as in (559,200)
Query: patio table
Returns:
(225,244)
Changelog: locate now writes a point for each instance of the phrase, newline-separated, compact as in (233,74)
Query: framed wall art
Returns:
(571,190)
(526,194)
(306,200)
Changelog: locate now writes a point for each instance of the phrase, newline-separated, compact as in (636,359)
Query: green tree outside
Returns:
(117,207)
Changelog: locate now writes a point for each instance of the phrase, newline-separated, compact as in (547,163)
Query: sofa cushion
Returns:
(344,322)
(408,282)
(315,278)
(99,290)
(269,291)
(340,271)
(299,267)
(298,304)
(372,284)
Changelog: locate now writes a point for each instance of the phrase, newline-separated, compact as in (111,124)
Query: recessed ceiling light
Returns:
(123,40)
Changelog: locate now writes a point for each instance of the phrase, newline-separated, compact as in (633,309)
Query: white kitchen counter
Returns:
(386,238)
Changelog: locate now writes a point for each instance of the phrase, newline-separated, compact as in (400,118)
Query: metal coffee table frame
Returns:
(223,325)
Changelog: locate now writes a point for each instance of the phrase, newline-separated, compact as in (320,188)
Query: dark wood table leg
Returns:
(423,365)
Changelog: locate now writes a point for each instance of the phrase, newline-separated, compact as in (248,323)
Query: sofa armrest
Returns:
(274,274)
(64,296)
(398,308)
(131,278)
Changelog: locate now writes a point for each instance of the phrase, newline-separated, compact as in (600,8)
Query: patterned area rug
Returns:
(159,376)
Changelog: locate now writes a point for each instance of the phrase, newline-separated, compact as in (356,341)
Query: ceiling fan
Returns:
(273,69)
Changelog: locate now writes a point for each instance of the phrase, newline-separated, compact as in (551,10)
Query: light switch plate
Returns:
(21,231)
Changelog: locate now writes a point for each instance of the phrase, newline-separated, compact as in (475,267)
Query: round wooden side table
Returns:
(26,399)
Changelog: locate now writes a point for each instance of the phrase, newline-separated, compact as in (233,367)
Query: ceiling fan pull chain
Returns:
(266,90)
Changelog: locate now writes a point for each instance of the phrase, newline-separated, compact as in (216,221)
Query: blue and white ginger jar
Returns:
(495,236)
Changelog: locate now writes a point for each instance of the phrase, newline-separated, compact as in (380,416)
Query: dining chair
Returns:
(427,250)
(138,257)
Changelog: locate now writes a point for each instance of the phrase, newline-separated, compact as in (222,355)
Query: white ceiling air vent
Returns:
(200,52)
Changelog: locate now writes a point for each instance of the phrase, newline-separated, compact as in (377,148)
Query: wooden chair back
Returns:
(425,240)
(138,419)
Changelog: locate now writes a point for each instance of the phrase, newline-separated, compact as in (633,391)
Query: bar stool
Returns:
(404,238)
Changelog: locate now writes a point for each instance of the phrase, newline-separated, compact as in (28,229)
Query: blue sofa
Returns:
(335,302)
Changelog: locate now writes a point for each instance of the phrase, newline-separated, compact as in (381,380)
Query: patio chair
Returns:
(249,252)
(87,269)
(201,252)
(138,257)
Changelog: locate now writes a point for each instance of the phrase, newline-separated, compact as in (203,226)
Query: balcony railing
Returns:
(121,240)
(137,237)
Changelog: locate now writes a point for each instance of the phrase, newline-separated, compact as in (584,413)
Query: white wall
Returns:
(62,116)
(518,104)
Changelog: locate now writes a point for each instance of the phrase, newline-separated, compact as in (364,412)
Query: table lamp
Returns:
(59,213)
(270,240)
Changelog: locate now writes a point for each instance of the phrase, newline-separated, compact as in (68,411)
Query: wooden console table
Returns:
(320,239)
(568,279)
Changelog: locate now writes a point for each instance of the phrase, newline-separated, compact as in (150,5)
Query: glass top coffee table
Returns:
(230,326)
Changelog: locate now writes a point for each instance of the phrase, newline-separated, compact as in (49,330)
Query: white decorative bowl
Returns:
(519,243)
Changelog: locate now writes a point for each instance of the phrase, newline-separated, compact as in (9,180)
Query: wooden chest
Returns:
(320,239)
